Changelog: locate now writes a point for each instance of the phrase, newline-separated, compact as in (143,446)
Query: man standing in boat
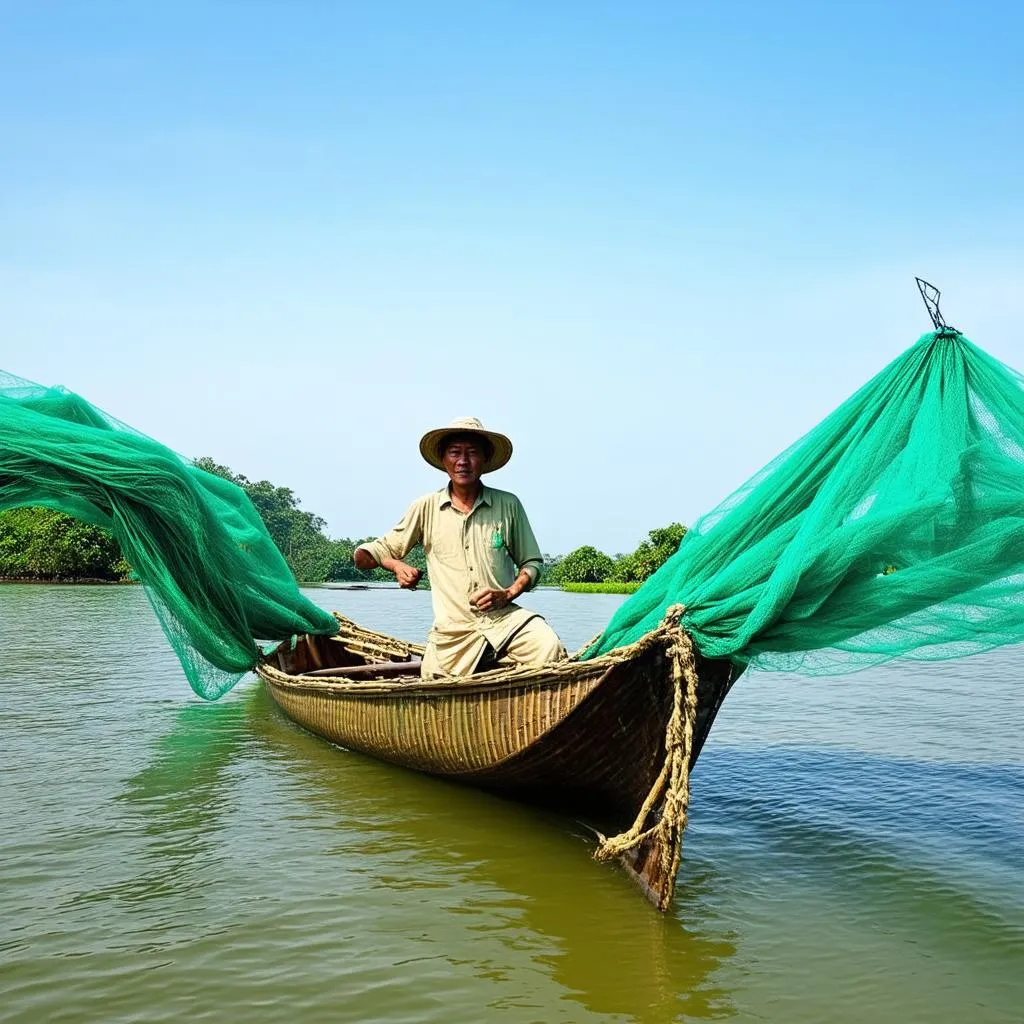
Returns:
(481,555)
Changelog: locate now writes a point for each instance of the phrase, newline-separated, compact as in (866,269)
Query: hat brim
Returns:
(501,445)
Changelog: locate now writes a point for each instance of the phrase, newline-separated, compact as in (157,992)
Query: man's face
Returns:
(463,458)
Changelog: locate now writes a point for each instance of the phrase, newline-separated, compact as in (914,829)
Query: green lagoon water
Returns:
(855,852)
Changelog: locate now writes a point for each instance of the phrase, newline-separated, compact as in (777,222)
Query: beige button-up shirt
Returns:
(486,547)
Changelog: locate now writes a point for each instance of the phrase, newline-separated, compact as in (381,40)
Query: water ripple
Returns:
(164,858)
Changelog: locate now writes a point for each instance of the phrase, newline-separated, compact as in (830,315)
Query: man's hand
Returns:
(489,599)
(408,577)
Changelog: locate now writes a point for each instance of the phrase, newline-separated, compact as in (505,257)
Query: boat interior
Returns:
(348,655)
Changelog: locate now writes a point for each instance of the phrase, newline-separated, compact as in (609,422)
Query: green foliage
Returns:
(42,544)
(296,532)
(585,565)
(650,556)
(607,587)
(551,572)
(587,570)
(299,535)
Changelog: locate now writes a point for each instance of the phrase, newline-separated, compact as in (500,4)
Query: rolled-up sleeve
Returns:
(524,549)
(400,540)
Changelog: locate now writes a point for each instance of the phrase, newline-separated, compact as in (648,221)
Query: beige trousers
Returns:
(535,643)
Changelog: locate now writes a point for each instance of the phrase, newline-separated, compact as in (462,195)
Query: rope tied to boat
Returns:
(672,786)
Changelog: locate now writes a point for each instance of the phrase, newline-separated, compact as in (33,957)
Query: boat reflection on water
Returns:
(519,873)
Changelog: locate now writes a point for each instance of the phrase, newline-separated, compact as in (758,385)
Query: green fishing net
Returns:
(216,580)
(895,528)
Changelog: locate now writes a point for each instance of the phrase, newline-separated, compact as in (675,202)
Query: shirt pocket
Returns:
(498,555)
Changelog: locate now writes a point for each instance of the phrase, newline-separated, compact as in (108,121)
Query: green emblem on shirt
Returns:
(497,540)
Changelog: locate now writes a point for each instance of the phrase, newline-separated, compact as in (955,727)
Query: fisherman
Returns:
(481,555)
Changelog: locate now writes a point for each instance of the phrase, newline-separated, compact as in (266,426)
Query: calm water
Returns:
(855,852)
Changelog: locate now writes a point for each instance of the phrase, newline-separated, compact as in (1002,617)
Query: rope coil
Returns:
(672,786)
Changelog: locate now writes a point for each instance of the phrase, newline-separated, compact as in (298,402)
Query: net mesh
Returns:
(895,528)
(215,578)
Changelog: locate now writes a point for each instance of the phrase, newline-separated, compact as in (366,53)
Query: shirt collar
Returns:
(444,497)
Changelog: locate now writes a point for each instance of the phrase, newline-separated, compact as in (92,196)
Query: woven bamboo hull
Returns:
(584,738)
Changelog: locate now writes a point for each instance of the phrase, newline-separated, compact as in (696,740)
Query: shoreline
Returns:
(89,581)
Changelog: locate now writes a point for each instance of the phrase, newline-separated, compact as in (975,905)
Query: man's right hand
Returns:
(408,577)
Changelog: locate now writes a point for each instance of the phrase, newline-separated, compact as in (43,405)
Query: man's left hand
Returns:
(490,599)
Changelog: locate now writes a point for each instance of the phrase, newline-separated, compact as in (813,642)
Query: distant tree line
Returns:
(588,565)
(42,544)
(299,535)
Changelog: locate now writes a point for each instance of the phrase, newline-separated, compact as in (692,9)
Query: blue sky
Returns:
(653,243)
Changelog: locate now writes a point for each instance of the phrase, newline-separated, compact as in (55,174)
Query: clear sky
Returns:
(652,242)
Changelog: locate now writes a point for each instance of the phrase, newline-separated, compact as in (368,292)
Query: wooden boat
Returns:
(608,741)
